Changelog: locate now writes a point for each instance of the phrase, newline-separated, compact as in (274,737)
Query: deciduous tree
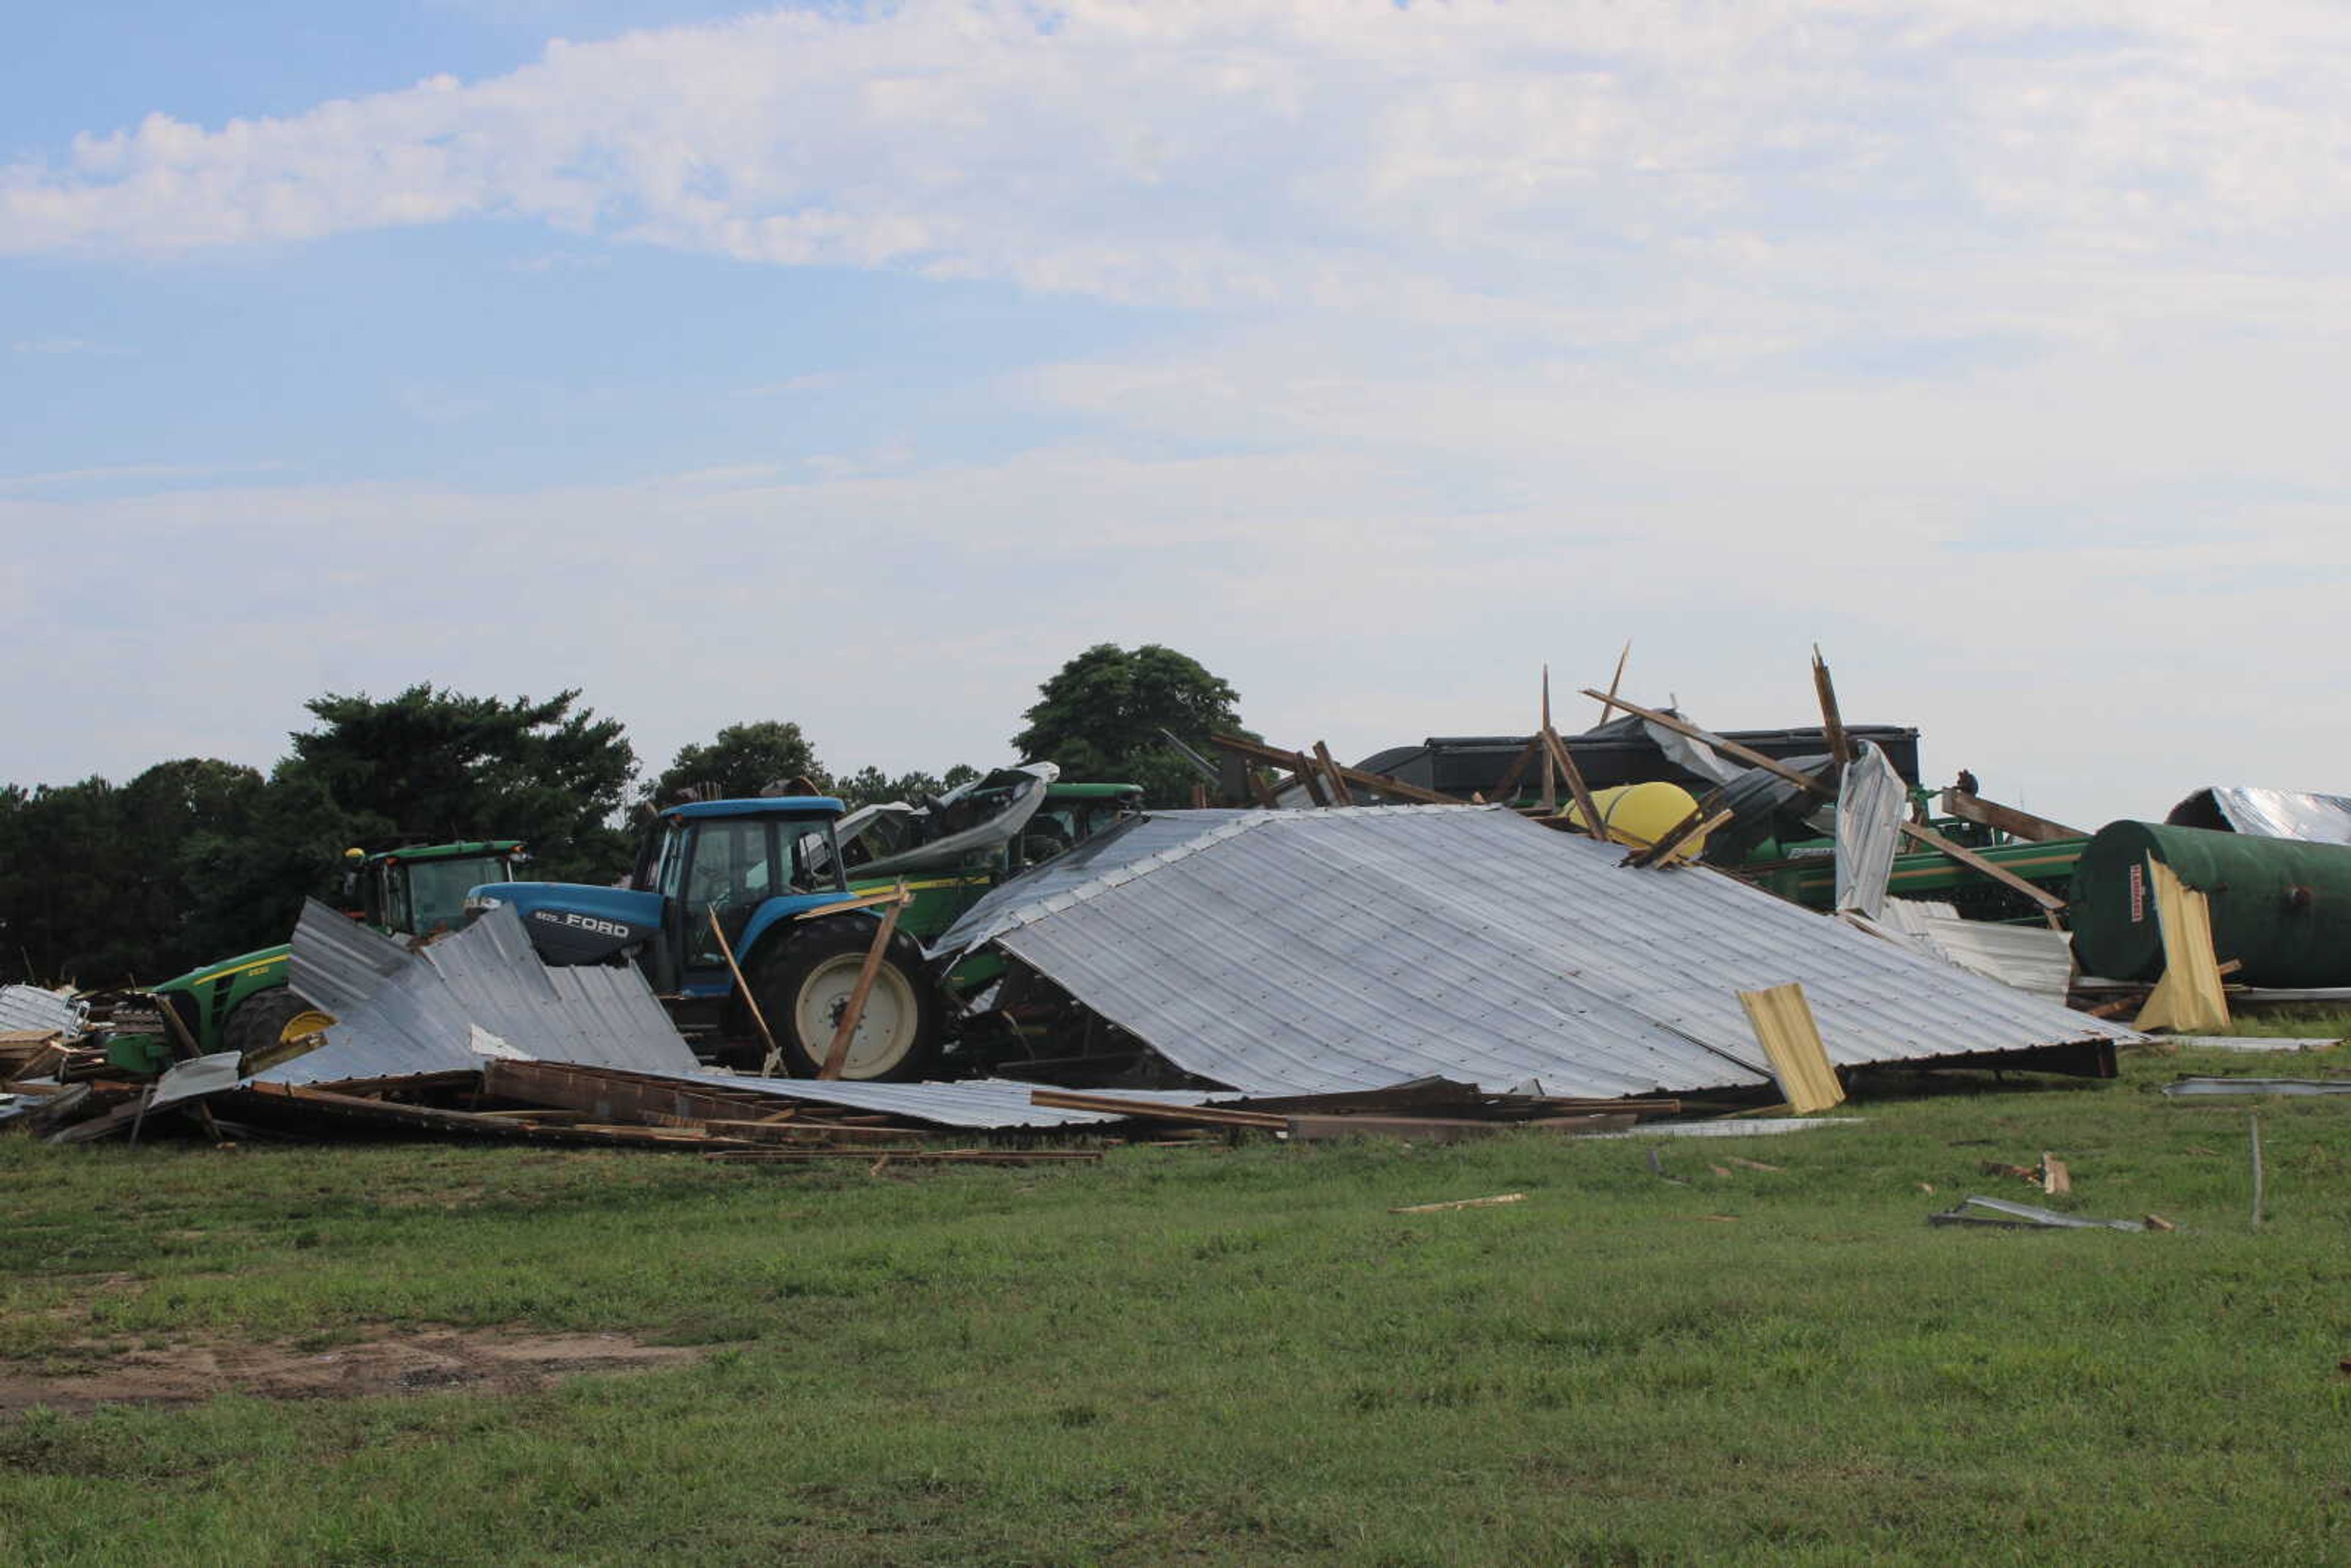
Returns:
(1100,718)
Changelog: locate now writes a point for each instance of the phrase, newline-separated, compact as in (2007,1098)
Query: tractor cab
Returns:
(754,889)
(751,862)
(243,1004)
(1071,814)
(419,892)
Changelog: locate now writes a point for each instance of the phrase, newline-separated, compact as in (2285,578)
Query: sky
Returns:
(858,365)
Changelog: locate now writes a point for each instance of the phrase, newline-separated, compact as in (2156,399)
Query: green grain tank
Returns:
(2281,908)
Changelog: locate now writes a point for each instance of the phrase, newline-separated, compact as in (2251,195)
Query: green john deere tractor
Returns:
(244,1004)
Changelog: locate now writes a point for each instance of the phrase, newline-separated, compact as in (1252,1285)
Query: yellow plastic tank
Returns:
(1638,815)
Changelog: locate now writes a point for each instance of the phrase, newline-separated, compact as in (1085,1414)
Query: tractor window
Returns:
(391,914)
(437,889)
(730,869)
(816,860)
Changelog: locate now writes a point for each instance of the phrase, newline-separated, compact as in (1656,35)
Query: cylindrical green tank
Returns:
(2281,908)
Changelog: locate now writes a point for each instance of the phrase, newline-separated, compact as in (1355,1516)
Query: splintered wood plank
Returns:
(2049,901)
(1841,747)
(1494,1202)
(1747,755)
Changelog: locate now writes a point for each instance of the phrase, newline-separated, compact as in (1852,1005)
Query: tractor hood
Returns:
(572,923)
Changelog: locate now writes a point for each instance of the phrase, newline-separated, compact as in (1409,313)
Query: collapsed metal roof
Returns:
(399,1014)
(1316,952)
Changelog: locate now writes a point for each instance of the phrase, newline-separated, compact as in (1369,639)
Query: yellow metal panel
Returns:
(2189,999)
(1783,1022)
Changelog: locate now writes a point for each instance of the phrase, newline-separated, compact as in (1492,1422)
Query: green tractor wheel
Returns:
(804,988)
(270,1027)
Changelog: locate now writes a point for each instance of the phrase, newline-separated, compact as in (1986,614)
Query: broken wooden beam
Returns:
(1841,747)
(1339,792)
(1380,783)
(2049,901)
(1156,1111)
(2008,820)
(1749,755)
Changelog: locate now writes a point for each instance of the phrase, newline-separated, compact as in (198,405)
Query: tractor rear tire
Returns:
(804,987)
(265,1025)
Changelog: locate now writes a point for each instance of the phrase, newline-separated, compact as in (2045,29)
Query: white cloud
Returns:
(2056,571)
(1677,168)
(1995,348)
(61,345)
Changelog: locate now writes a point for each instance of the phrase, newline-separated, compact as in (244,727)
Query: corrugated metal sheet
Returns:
(339,963)
(398,1013)
(2029,957)
(598,1015)
(32,1007)
(1314,952)
(978,1104)
(1870,802)
(393,1017)
(2267,813)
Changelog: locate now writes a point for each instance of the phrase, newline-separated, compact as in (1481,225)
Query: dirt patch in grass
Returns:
(417,1362)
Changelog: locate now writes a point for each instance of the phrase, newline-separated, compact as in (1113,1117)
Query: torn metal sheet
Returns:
(401,1014)
(1316,952)
(35,1007)
(979,1104)
(2279,1043)
(2029,957)
(2202,1086)
(194,1078)
(969,822)
(2266,813)
(2027,1217)
(1870,802)
(1740,1127)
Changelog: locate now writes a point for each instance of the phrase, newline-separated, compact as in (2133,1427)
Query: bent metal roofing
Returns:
(1323,951)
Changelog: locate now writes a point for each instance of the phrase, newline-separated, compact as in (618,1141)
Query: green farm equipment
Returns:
(244,1004)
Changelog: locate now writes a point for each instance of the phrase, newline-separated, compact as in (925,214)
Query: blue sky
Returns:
(859,364)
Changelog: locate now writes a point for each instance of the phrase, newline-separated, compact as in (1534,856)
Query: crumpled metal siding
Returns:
(2270,813)
(393,1017)
(1311,952)
(400,1014)
(2026,958)
(33,1007)
(596,1015)
(1870,801)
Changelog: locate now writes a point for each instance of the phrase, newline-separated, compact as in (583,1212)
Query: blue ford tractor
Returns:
(771,869)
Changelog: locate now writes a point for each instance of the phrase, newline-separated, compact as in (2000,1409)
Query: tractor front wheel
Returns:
(804,988)
(270,1027)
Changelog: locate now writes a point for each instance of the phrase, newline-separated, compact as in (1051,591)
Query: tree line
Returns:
(196,859)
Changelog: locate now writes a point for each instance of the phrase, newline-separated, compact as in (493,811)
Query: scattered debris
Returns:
(1494,1202)
(2026,1216)
(1742,1127)
(40,1011)
(2198,1086)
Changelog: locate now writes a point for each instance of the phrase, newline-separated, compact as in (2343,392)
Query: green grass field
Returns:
(1230,1356)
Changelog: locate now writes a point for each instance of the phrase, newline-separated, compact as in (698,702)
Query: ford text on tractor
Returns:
(770,870)
(244,1004)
